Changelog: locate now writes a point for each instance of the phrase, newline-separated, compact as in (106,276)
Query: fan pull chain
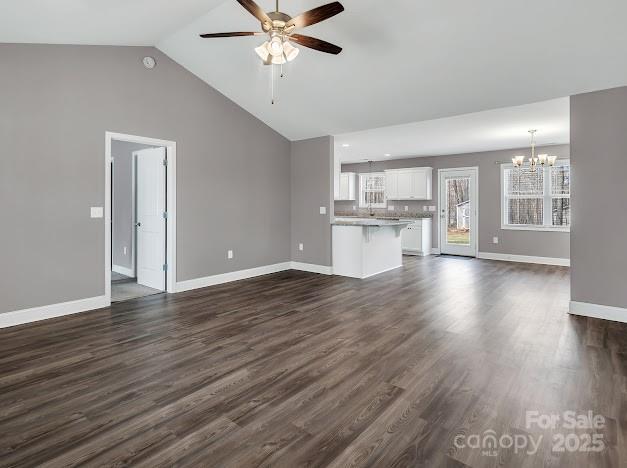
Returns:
(272,83)
(285,61)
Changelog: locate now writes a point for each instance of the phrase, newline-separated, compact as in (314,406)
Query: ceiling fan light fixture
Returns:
(275,46)
(280,60)
(290,51)
(262,51)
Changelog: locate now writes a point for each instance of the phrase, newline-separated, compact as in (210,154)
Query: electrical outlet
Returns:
(390,207)
(354,207)
(97,211)
(495,240)
(432,208)
(406,208)
(229,254)
(124,250)
(301,247)
(323,210)
(425,208)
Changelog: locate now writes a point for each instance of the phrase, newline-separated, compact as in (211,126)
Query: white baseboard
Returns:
(123,270)
(585,309)
(231,276)
(310,267)
(250,273)
(435,251)
(382,271)
(524,259)
(34,314)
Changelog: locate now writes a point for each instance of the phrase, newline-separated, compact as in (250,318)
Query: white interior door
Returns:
(151,223)
(458,211)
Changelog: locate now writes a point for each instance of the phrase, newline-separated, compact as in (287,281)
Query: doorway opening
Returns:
(458,227)
(140,209)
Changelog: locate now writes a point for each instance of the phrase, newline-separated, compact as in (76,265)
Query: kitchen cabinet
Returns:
(409,184)
(416,238)
(348,186)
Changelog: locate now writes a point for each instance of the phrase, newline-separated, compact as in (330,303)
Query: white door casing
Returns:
(151,222)
(448,245)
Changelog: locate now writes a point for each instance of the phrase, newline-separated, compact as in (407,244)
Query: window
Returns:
(372,190)
(536,200)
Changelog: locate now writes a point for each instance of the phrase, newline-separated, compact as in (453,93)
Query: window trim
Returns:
(362,175)
(546,202)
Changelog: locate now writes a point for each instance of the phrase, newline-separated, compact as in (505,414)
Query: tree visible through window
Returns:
(539,198)
(458,210)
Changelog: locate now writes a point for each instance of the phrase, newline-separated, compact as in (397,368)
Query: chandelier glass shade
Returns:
(534,160)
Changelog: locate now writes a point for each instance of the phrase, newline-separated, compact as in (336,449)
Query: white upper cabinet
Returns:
(391,184)
(408,184)
(348,186)
(404,184)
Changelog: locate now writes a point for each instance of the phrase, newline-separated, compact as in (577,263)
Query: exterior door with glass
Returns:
(458,211)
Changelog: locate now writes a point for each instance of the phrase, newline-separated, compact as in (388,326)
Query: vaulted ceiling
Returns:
(403,61)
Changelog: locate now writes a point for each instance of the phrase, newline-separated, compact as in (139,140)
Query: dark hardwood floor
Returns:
(297,369)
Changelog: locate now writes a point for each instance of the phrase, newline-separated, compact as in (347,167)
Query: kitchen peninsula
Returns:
(366,247)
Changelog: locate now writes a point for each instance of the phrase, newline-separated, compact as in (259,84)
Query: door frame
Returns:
(475,194)
(170,147)
(134,217)
(133,220)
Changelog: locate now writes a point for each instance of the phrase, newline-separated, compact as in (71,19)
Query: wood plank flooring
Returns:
(297,369)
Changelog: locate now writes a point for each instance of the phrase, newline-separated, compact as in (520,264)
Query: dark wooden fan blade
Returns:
(316,15)
(232,34)
(317,44)
(255,10)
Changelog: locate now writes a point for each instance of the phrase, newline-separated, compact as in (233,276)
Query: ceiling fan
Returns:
(280,28)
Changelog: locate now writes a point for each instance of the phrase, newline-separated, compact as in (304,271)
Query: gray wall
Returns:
(122,228)
(312,187)
(599,201)
(233,171)
(533,243)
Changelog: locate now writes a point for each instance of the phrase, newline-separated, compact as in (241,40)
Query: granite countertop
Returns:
(369,222)
(395,216)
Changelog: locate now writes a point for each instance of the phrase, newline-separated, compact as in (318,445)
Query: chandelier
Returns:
(541,159)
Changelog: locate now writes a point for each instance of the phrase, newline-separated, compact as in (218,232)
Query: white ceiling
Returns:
(481,131)
(403,61)
(101,22)
(407,61)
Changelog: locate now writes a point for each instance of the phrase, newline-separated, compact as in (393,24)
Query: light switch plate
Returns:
(354,207)
(229,254)
(301,247)
(97,211)
(323,210)
(390,207)
(495,240)
(432,208)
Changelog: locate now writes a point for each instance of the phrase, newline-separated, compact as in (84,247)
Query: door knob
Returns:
(138,224)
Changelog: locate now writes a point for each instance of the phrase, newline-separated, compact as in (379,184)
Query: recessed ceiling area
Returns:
(481,131)
(401,62)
